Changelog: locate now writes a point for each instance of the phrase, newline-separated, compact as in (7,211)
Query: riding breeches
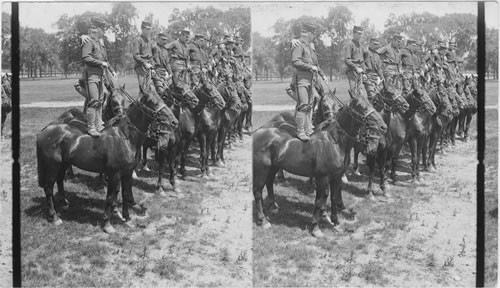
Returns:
(371,85)
(141,78)
(354,79)
(160,81)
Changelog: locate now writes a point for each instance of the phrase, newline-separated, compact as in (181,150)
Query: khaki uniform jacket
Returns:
(142,51)
(93,55)
(161,58)
(372,63)
(353,55)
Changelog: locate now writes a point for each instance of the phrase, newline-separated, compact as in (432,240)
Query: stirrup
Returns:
(303,137)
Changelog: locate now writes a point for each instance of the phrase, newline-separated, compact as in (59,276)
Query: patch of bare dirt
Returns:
(6,213)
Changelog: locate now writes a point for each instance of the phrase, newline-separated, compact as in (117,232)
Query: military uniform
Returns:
(391,60)
(451,59)
(94,57)
(179,57)
(373,68)
(408,65)
(143,56)
(353,58)
(198,60)
(304,60)
(162,66)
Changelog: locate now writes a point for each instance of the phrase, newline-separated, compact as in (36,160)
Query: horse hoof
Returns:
(162,193)
(357,173)
(317,233)
(58,222)
(129,224)
(134,176)
(345,180)
(177,190)
(146,168)
(266,225)
(371,197)
(119,215)
(109,229)
(328,220)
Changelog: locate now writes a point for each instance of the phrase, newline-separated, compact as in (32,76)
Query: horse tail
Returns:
(41,167)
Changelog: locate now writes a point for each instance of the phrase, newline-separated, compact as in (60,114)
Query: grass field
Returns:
(191,238)
(388,244)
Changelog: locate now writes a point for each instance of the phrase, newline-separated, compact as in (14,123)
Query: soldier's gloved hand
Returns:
(314,68)
(85,39)
(295,43)
(148,66)
(105,64)
(359,70)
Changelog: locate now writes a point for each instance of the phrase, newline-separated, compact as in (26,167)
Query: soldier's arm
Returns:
(347,57)
(297,60)
(87,55)
(136,48)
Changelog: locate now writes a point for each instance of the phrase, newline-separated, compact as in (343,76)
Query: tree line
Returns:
(272,54)
(45,53)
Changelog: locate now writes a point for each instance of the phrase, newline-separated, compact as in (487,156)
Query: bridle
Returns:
(390,104)
(421,107)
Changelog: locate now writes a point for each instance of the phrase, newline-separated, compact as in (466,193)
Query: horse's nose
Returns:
(175,123)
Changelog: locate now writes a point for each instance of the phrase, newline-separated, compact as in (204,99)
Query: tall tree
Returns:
(6,34)
(264,52)
(122,21)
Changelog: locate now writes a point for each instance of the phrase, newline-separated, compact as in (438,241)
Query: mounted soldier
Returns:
(451,59)
(179,56)
(198,59)
(305,62)
(95,58)
(353,58)
(161,62)
(373,67)
(391,59)
(407,64)
(143,54)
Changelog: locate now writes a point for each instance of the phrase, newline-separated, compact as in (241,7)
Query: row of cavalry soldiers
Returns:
(398,95)
(162,66)
(368,67)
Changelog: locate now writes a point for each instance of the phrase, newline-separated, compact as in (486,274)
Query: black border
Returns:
(481,64)
(16,197)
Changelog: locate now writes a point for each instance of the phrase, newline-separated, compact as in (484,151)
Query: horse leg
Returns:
(249,117)
(184,151)
(111,202)
(425,146)
(381,160)
(60,187)
(260,175)
(202,141)
(273,206)
(172,155)
(126,183)
(320,205)
(467,125)
(414,158)
(280,175)
(70,173)
(145,158)
(355,164)
(220,147)
(159,183)
(370,161)
(461,122)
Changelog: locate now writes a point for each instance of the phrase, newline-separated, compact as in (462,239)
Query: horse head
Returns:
(230,95)
(208,93)
(181,92)
(420,100)
(440,98)
(117,100)
(155,112)
(391,97)
(366,121)
(326,106)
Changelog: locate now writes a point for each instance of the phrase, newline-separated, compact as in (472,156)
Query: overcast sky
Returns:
(264,15)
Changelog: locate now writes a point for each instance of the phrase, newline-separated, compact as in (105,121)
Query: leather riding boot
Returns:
(300,119)
(98,119)
(91,118)
(309,129)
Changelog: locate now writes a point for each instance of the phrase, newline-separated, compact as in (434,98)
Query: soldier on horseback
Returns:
(161,62)
(353,58)
(95,59)
(407,64)
(179,56)
(143,54)
(373,68)
(305,62)
(198,59)
(391,58)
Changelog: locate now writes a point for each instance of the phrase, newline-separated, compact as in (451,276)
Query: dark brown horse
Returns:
(322,157)
(440,120)
(207,122)
(228,117)
(465,117)
(114,153)
(182,100)
(418,128)
(391,105)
